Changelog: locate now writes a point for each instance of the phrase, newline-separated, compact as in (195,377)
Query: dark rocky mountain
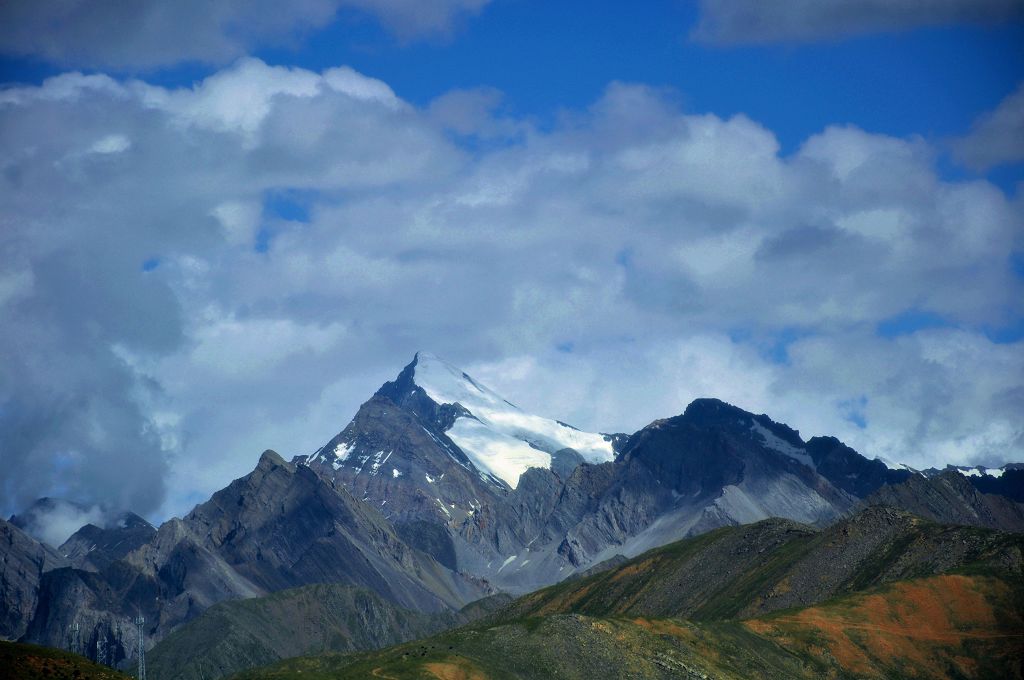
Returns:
(952,498)
(92,547)
(1007,480)
(280,526)
(426,450)
(22,563)
(850,471)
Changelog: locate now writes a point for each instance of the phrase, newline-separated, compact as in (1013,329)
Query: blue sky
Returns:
(545,57)
(225,223)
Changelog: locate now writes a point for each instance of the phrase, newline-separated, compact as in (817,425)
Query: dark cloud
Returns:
(144,34)
(737,22)
(996,137)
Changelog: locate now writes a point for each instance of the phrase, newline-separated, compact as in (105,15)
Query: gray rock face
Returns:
(91,548)
(848,470)
(22,563)
(398,459)
(713,466)
(951,498)
(280,526)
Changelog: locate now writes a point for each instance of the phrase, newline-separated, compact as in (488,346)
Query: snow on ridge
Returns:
(776,443)
(501,439)
(335,457)
(898,466)
(979,471)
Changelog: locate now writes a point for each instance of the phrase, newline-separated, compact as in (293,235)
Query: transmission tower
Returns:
(76,638)
(139,621)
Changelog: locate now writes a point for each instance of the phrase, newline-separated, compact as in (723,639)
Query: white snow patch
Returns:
(898,466)
(430,480)
(495,453)
(980,471)
(506,563)
(502,440)
(772,441)
(396,473)
(377,462)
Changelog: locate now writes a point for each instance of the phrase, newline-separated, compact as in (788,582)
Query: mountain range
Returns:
(440,492)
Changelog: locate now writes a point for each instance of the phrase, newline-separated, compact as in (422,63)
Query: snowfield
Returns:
(501,439)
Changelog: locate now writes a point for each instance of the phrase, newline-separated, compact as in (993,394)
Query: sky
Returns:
(224,224)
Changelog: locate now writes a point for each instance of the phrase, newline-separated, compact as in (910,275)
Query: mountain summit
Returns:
(501,440)
(489,489)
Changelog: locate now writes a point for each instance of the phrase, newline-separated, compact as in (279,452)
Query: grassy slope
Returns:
(239,634)
(893,597)
(740,572)
(31,662)
(955,626)
(948,626)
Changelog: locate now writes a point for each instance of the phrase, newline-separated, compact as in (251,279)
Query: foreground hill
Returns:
(883,594)
(31,662)
(937,627)
(239,634)
(752,570)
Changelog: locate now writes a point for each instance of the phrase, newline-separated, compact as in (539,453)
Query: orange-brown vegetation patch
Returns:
(454,669)
(563,603)
(632,569)
(782,587)
(665,627)
(923,627)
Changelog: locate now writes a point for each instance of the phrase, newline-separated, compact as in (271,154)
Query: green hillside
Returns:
(240,634)
(880,595)
(751,570)
(937,627)
(32,662)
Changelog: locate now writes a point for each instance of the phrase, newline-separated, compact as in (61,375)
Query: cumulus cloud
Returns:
(150,33)
(733,22)
(996,137)
(169,321)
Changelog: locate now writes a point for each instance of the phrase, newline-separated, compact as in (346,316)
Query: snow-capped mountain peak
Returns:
(498,437)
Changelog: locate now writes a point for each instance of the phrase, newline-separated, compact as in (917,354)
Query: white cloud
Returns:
(111,144)
(668,255)
(755,21)
(996,137)
(249,348)
(54,522)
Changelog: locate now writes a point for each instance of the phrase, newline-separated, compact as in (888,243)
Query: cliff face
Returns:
(93,547)
(22,563)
